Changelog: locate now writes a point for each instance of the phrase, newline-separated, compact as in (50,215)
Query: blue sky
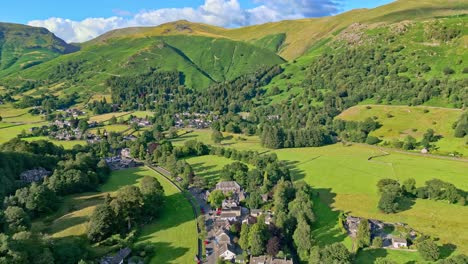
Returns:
(85,19)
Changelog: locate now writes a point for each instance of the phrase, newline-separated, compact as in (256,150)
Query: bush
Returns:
(448,71)
(428,250)
(372,140)
(377,242)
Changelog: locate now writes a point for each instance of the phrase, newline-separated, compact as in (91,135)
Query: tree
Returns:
(273,246)
(387,203)
(384,261)
(127,205)
(217,136)
(244,237)
(377,242)
(254,200)
(409,143)
(216,198)
(16,219)
(102,223)
(303,238)
(113,120)
(153,196)
(335,253)
(363,234)
(428,250)
(257,238)
(409,186)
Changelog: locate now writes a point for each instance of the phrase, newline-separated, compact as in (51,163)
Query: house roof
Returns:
(227,185)
(398,240)
(269,260)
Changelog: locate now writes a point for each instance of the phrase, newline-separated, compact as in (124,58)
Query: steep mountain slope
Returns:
(22,47)
(294,38)
(408,62)
(201,60)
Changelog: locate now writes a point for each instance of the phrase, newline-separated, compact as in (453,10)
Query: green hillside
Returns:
(301,35)
(22,47)
(409,62)
(202,61)
(399,121)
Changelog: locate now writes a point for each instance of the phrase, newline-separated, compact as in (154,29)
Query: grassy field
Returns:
(209,167)
(346,181)
(106,117)
(65,144)
(8,133)
(404,123)
(110,128)
(173,234)
(232,140)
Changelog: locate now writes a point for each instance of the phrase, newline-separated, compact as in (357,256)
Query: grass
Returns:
(65,144)
(9,133)
(346,181)
(403,123)
(173,234)
(237,141)
(106,117)
(209,167)
(369,256)
(110,128)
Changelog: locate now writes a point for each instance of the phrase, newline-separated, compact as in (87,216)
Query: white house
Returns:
(225,252)
(399,242)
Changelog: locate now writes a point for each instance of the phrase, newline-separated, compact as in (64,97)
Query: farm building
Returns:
(269,260)
(119,258)
(35,175)
(398,242)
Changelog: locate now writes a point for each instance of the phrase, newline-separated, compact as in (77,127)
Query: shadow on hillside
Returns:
(405,203)
(446,250)
(369,256)
(165,253)
(120,179)
(296,173)
(183,138)
(66,222)
(327,229)
(176,211)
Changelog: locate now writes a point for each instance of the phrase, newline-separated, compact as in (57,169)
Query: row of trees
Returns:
(435,189)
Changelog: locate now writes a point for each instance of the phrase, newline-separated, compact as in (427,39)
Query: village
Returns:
(220,243)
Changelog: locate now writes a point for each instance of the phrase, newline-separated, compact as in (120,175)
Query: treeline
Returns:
(278,137)
(47,103)
(392,192)
(357,131)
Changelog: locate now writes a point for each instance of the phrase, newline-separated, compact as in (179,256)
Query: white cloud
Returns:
(226,13)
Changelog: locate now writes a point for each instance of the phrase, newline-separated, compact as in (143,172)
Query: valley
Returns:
(339,139)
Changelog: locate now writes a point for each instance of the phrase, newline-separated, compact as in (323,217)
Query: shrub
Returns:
(377,242)
(372,140)
(448,71)
(428,250)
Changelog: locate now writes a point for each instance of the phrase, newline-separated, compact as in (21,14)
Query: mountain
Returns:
(206,54)
(295,37)
(22,47)
(201,60)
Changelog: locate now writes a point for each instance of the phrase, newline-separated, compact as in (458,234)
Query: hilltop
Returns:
(295,37)
(22,47)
